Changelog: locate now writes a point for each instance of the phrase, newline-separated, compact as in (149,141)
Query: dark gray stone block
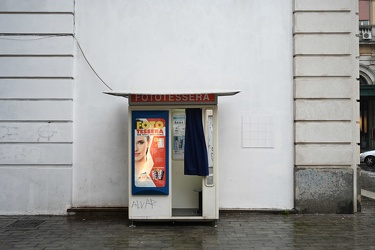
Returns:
(324,190)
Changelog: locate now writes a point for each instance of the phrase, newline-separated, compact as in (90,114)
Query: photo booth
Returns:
(173,155)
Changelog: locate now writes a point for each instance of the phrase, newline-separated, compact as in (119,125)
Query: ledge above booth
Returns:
(168,97)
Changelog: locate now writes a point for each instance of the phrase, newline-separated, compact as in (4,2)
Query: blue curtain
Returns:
(195,156)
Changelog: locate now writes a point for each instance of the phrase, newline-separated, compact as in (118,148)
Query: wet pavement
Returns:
(234,230)
(367,168)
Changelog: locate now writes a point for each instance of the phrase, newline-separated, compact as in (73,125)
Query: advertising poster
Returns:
(150,152)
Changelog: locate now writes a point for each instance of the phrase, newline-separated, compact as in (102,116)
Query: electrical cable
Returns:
(79,46)
(92,68)
(27,39)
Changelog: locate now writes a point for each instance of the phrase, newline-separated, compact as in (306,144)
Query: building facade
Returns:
(64,144)
(326,105)
(367,73)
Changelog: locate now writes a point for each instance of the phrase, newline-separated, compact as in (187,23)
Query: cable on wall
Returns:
(79,46)
(92,68)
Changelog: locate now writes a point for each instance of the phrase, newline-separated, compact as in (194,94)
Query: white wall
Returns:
(36,106)
(64,143)
(181,44)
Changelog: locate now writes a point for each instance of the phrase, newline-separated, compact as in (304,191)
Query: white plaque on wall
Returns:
(258,131)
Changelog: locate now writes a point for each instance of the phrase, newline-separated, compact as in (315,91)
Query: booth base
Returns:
(178,215)
(186,212)
(176,219)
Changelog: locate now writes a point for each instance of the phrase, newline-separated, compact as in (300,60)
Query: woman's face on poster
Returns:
(141,145)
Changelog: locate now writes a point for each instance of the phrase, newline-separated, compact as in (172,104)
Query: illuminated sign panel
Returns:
(143,99)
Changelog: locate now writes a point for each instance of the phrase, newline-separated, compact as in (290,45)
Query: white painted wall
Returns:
(64,143)
(181,44)
(36,106)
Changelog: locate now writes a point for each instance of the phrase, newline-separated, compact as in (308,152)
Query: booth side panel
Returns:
(149,196)
(210,208)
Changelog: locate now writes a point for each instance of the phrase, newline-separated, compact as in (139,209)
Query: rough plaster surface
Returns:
(324,190)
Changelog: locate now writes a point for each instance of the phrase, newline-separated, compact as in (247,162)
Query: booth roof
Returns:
(173,92)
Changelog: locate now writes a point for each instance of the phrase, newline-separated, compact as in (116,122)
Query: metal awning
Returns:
(173,92)
(173,97)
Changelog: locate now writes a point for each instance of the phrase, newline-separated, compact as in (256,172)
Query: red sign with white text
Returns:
(138,99)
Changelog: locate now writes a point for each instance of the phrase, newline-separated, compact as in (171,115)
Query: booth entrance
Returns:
(173,161)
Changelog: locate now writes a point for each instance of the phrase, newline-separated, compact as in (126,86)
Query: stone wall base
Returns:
(322,190)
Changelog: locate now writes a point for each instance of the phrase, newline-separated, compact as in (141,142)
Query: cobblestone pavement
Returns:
(234,230)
